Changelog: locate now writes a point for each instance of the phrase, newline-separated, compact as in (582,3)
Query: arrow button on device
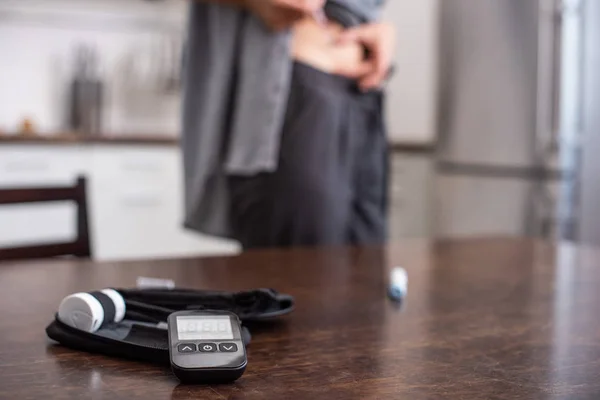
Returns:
(186,348)
(228,347)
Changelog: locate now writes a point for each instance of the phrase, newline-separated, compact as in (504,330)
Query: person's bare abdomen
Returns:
(316,46)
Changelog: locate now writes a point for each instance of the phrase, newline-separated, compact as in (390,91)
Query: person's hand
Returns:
(281,14)
(379,39)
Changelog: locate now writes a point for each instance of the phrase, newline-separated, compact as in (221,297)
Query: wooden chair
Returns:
(79,248)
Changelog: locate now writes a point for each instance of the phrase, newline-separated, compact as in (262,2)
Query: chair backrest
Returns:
(79,248)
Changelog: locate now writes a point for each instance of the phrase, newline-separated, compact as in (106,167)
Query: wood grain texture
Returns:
(484,319)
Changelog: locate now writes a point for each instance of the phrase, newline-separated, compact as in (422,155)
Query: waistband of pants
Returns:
(336,83)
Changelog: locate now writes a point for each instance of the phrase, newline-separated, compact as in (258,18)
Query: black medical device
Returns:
(206,346)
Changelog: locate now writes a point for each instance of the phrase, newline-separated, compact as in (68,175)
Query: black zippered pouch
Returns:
(142,335)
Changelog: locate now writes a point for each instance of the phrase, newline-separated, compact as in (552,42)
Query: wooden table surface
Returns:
(484,319)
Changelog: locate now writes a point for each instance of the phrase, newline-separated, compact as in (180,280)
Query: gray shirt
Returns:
(236,83)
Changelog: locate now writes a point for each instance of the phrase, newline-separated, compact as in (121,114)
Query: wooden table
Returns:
(484,319)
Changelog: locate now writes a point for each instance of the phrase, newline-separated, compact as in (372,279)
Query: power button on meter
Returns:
(207,347)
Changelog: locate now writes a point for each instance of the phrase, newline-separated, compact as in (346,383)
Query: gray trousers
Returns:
(330,187)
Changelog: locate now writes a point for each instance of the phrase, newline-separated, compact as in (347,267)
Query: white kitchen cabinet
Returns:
(137,203)
(38,165)
(134,195)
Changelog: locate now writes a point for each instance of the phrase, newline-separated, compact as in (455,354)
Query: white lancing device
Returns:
(84,312)
(398,284)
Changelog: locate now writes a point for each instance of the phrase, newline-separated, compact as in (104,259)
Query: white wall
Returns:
(412,91)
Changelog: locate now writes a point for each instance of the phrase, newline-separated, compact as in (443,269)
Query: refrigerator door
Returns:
(509,117)
(492,53)
(589,216)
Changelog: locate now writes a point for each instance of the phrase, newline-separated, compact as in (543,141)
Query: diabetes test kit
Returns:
(199,333)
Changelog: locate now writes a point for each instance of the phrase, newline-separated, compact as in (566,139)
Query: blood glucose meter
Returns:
(206,346)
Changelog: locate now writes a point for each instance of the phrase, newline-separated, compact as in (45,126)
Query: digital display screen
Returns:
(204,328)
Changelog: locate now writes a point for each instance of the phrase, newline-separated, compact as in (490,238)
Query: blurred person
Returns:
(284,140)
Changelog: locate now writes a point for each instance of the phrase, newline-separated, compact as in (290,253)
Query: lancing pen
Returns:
(398,284)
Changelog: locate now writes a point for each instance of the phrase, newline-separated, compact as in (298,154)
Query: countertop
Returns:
(61,139)
(171,140)
(485,318)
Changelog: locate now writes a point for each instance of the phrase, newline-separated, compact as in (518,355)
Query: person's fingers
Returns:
(378,39)
(356,71)
(367,74)
(367,82)
(374,79)
(376,76)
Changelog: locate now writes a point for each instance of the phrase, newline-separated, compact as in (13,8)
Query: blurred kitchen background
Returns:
(492,117)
